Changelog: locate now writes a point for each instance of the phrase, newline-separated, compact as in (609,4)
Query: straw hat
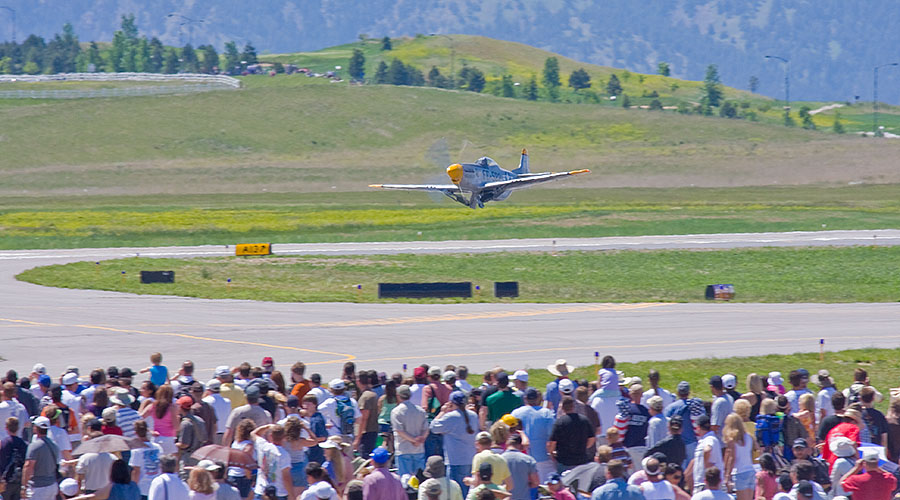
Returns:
(560,368)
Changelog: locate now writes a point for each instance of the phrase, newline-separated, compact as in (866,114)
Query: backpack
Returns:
(345,414)
(768,430)
(853,393)
(13,471)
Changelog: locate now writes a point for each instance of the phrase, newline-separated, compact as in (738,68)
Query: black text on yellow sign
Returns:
(253,249)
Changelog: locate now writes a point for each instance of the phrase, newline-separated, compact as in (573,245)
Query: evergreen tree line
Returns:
(128,52)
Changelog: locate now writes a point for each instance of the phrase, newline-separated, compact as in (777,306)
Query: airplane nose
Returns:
(455,172)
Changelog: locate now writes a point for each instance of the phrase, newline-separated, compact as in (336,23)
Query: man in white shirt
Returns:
(708,454)
(274,462)
(220,405)
(9,407)
(798,380)
(655,390)
(74,402)
(656,487)
(462,373)
(330,410)
(315,384)
(713,478)
(98,381)
(824,407)
(168,486)
(145,462)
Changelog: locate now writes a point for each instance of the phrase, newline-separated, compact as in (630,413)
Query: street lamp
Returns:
(875,130)
(452,57)
(787,84)
(190,23)
(12,12)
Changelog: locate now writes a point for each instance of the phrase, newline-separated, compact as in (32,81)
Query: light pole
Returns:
(787,84)
(190,23)
(452,57)
(875,96)
(12,12)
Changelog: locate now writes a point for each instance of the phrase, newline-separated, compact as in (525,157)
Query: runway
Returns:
(60,327)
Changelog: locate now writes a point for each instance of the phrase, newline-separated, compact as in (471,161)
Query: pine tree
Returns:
(170,62)
(210,59)
(397,74)
(579,79)
(551,72)
(838,127)
(249,54)
(476,81)
(507,87)
(807,118)
(381,73)
(232,58)
(189,62)
(712,88)
(94,57)
(357,66)
(663,69)
(386,43)
(157,54)
(613,87)
(436,79)
(142,56)
(531,89)
(626,101)
(754,84)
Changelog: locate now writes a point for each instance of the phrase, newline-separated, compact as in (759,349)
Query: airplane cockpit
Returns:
(485,161)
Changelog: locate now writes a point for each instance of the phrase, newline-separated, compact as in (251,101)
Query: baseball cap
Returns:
(805,489)
(322,490)
(252,391)
(41,422)
(39,368)
(502,378)
(207,464)
(267,361)
(509,420)
(222,370)
(214,385)
(684,387)
(45,380)
(870,454)
(435,371)
(458,397)
(448,375)
(485,471)
(482,435)
(803,372)
(337,384)
(68,487)
(716,381)
(293,401)
(566,386)
(554,479)
(431,487)
(185,402)
(520,375)
(126,373)
(109,415)
(404,391)
(531,394)
(799,443)
(729,381)
(380,455)
(70,378)
(418,372)
(676,422)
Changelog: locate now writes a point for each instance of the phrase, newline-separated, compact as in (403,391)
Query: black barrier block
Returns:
(506,289)
(157,276)
(424,290)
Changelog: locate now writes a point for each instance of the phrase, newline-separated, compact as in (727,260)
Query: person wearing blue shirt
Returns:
(537,424)
(458,426)
(616,488)
(552,396)
(689,409)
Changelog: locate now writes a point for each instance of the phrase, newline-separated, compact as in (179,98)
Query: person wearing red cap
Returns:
(268,365)
(192,432)
(420,375)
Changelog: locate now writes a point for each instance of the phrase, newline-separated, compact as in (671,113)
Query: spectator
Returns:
(754,395)
(41,459)
(860,380)
(500,474)
(675,477)
(12,459)
(165,418)
(712,481)
(340,411)
(502,401)
(205,412)
(9,407)
(672,446)
(807,413)
(126,416)
(457,424)
(616,488)
(317,425)
(729,382)
(367,423)
(120,486)
(848,428)
(251,410)
(803,472)
(380,483)
(656,426)
(655,390)
(827,390)
(708,456)
(273,460)
(522,469)
(570,438)
(220,405)
(836,417)
(483,482)
(109,422)
(93,469)
(845,452)
(721,405)
(159,374)
(604,399)
(520,383)
(632,421)
(410,426)
(537,424)
(689,409)
(739,447)
(338,465)
(557,490)
(144,461)
(785,484)
(386,404)
(168,486)
(874,429)
(656,487)
(435,470)
(297,439)
(791,427)
(462,384)
(192,432)
(617,449)
(766,477)
(802,453)
(561,370)
(775,385)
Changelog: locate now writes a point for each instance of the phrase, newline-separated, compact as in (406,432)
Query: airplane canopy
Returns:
(485,161)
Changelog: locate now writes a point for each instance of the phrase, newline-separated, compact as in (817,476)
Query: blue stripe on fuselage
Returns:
(476,176)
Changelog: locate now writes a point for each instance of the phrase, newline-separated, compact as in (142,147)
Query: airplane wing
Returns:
(528,180)
(452,188)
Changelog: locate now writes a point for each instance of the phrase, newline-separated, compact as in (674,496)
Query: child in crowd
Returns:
(159,374)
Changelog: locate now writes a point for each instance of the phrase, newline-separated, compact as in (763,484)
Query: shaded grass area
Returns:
(855,274)
(391,216)
(881,365)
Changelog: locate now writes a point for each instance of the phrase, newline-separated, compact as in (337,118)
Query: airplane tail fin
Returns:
(523,164)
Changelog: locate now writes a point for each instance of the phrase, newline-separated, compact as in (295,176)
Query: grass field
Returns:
(880,364)
(392,216)
(856,274)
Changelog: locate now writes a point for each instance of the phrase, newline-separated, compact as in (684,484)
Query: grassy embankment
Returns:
(880,364)
(858,274)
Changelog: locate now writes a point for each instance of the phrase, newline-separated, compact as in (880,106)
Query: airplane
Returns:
(484,180)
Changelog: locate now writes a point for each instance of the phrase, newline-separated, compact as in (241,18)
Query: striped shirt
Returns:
(125,419)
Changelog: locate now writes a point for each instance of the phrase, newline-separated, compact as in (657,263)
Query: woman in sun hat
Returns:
(561,370)
(776,385)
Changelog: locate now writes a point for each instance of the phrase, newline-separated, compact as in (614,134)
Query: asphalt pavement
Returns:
(61,327)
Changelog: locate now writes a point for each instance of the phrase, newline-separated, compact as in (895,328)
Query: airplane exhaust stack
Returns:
(455,172)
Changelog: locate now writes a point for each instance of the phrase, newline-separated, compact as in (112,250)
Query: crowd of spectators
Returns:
(436,436)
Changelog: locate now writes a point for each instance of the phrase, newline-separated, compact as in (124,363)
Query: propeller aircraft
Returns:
(484,181)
